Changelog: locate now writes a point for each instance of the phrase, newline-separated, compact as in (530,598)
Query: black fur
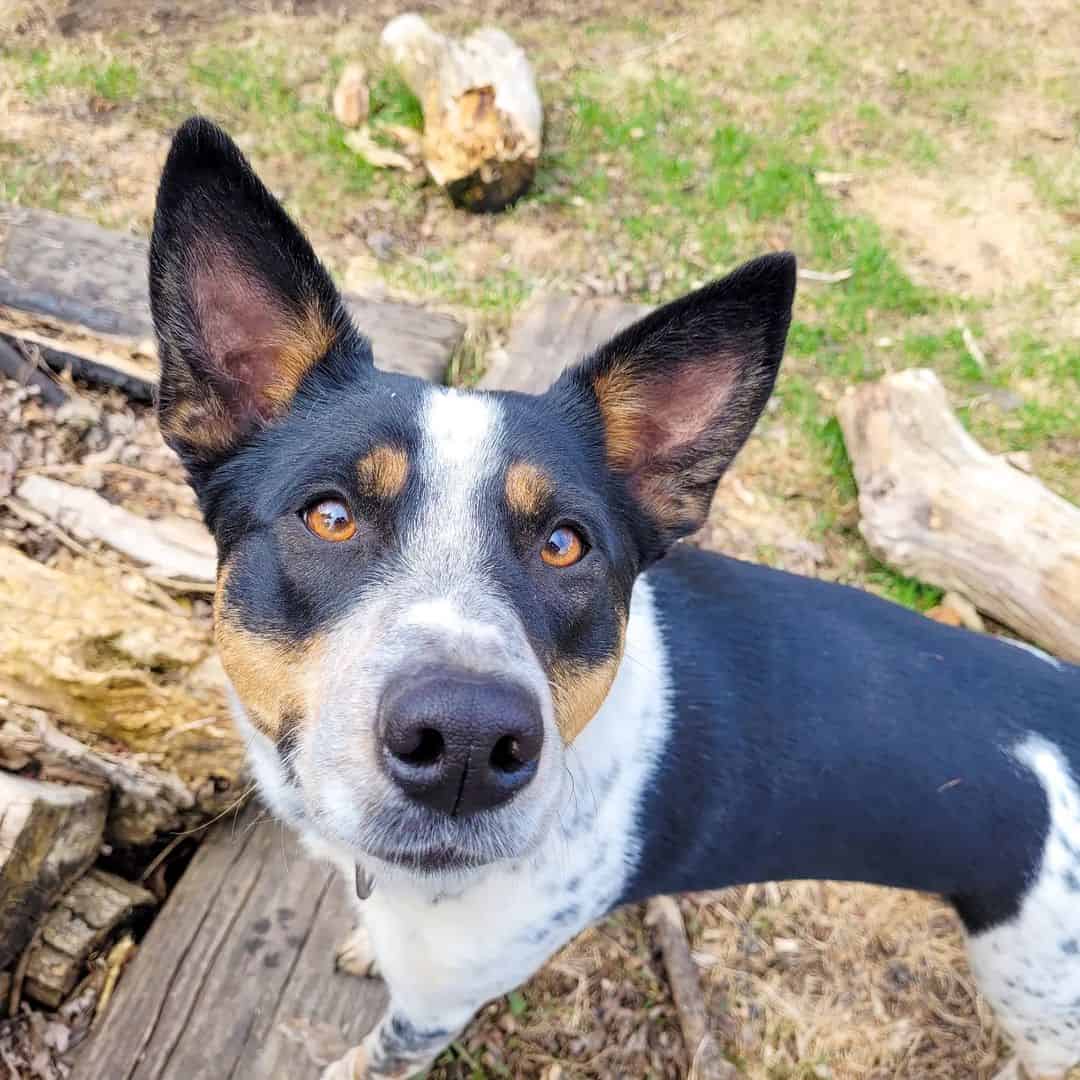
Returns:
(846,738)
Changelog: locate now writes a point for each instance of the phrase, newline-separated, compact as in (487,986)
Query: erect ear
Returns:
(242,308)
(680,391)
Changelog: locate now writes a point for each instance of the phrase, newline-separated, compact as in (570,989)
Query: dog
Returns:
(476,668)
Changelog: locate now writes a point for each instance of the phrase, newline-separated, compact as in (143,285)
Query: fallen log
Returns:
(940,508)
(482,113)
(78,294)
(49,836)
(138,686)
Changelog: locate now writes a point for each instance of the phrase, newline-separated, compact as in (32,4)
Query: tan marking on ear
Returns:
(621,407)
(198,422)
(383,471)
(298,348)
(527,488)
(579,689)
(273,678)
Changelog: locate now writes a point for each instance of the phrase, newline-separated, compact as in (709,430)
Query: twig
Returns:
(706,1060)
(826,277)
(18,976)
(27,373)
(118,957)
(972,346)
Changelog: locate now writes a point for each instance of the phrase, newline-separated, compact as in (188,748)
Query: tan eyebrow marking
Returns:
(383,471)
(527,487)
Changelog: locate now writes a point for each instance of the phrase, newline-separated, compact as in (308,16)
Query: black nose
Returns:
(460,743)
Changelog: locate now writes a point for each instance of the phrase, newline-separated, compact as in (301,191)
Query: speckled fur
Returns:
(1029,967)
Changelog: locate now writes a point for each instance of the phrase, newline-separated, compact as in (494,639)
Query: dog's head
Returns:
(423,593)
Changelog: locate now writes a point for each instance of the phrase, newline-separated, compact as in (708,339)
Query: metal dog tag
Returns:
(364,883)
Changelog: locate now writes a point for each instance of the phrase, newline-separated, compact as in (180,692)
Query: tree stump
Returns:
(482,113)
(940,508)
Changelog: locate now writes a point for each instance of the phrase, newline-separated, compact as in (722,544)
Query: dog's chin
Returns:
(428,862)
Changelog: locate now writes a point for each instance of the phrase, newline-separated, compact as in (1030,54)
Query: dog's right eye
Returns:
(330,519)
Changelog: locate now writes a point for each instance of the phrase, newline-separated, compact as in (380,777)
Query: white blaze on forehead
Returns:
(459,452)
(458,425)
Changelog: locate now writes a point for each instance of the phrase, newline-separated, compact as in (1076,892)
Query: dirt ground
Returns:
(953,135)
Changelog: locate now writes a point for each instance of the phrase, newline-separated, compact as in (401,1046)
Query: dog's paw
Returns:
(355,955)
(353,1066)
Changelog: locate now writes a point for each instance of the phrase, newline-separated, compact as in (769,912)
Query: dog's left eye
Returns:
(330,519)
(563,548)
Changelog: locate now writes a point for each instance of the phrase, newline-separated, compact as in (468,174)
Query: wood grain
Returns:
(553,332)
(940,508)
(85,276)
(242,949)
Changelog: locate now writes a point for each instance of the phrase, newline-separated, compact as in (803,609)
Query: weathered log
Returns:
(170,548)
(939,507)
(79,294)
(80,923)
(128,679)
(49,836)
(482,114)
(704,1056)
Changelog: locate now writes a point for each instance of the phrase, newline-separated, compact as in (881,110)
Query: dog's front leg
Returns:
(397,1047)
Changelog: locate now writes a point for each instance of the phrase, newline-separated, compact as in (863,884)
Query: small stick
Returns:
(973,348)
(826,277)
(115,963)
(706,1060)
(28,373)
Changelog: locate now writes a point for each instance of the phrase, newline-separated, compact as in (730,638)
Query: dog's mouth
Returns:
(431,860)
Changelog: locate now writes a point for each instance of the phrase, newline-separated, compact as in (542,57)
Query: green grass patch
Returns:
(904,590)
(43,71)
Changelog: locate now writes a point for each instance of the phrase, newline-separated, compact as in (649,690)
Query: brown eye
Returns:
(563,548)
(331,520)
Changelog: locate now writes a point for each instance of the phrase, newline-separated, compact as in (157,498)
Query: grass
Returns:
(44,71)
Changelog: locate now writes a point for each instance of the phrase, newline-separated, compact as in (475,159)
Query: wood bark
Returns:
(938,507)
(482,114)
(80,923)
(138,685)
(49,835)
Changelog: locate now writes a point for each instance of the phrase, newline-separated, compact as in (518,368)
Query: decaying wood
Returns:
(80,923)
(703,1053)
(80,293)
(139,686)
(482,114)
(940,508)
(553,332)
(49,835)
(236,974)
(170,548)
